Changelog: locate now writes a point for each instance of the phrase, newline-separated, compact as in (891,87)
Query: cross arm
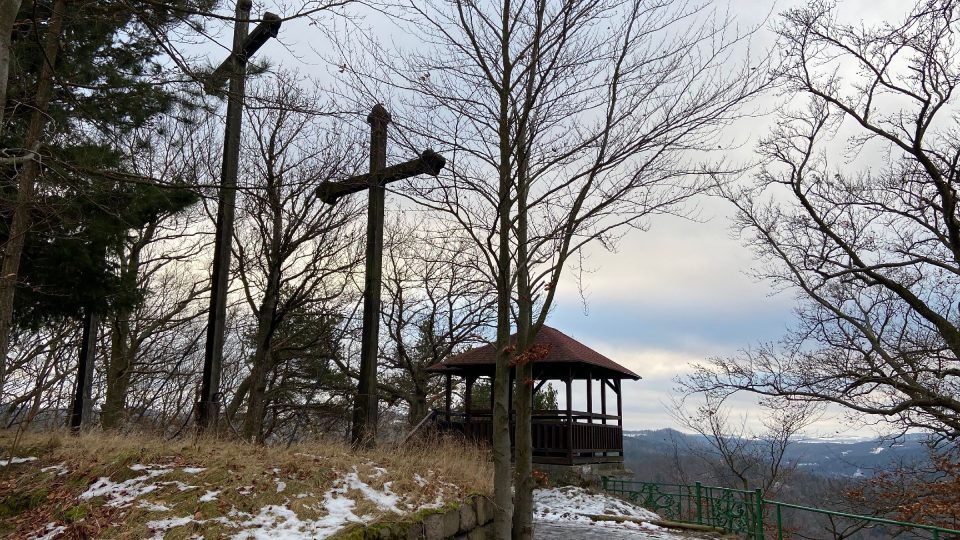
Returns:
(429,162)
(268,28)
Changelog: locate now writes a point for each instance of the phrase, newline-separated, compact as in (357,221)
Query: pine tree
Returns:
(82,76)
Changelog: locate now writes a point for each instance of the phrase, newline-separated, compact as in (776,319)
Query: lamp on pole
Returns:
(234,68)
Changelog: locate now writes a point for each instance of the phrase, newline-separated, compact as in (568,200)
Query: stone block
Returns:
(415,531)
(442,526)
(451,523)
(484,510)
(468,516)
(481,533)
(396,531)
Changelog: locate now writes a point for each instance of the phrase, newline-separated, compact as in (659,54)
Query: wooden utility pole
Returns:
(234,67)
(365,405)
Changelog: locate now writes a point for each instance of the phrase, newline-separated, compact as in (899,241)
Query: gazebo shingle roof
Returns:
(561,349)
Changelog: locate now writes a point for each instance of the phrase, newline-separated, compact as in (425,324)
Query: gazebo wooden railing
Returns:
(558,437)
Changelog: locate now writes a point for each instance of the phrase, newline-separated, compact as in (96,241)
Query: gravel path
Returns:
(577,531)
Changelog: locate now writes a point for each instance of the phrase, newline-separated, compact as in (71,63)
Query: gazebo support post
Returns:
(603,399)
(589,397)
(569,383)
(603,403)
(619,405)
(468,397)
(449,396)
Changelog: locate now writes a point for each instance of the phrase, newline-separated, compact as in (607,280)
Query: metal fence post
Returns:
(779,522)
(699,504)
(758,500)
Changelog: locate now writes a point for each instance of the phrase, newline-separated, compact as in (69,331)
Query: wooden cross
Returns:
(365,406)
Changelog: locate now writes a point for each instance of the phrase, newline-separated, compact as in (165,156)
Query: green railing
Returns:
(748,514)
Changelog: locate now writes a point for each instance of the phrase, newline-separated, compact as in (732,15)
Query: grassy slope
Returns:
(247,477)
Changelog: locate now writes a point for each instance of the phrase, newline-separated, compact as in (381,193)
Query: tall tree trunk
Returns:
(418,409)
(418,403)
(266,325)
(523,395)
(8,16)
(238,398)
(20,219)
(256,400)
(502,492)
(118,371)
(123,347)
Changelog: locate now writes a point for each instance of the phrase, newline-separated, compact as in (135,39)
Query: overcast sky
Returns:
(674,295)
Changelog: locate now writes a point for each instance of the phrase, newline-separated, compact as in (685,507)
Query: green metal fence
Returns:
(748,514)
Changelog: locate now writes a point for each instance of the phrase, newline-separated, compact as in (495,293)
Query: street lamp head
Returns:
(268,28)
(431,162)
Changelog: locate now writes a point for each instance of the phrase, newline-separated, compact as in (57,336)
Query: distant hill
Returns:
(846,458)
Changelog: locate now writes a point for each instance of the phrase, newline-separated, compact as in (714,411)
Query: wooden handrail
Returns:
(559,415)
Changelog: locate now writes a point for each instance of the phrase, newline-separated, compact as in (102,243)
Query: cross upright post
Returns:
(233,69)
(365,405)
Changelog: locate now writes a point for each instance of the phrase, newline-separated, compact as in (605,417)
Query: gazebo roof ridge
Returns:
(561,349)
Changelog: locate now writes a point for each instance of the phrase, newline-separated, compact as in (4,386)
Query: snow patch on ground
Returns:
(277,522)
(337,507)
(877,450)
(124,493)
(61,469)
(385,500)
(152,507)
(49,532)
(575,504)
(161,526)
(15,460)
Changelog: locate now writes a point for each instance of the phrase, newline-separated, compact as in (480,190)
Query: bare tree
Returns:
(26,179)
(749,458)
(41,364)
(871,243)
(565,122)
(437,302)
(153,264)
(293,252)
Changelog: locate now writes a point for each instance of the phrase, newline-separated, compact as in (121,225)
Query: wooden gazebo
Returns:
(565,436)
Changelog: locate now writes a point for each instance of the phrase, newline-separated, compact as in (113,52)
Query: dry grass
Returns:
(247,477)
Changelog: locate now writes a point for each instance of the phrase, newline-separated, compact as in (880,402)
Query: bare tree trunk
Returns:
(502,496)
(20,220)
(238,398)
(123,349)
(523,395)
(8,16)
(256,402)
(418,403)
(418,409)
(118,371)
(266,324)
